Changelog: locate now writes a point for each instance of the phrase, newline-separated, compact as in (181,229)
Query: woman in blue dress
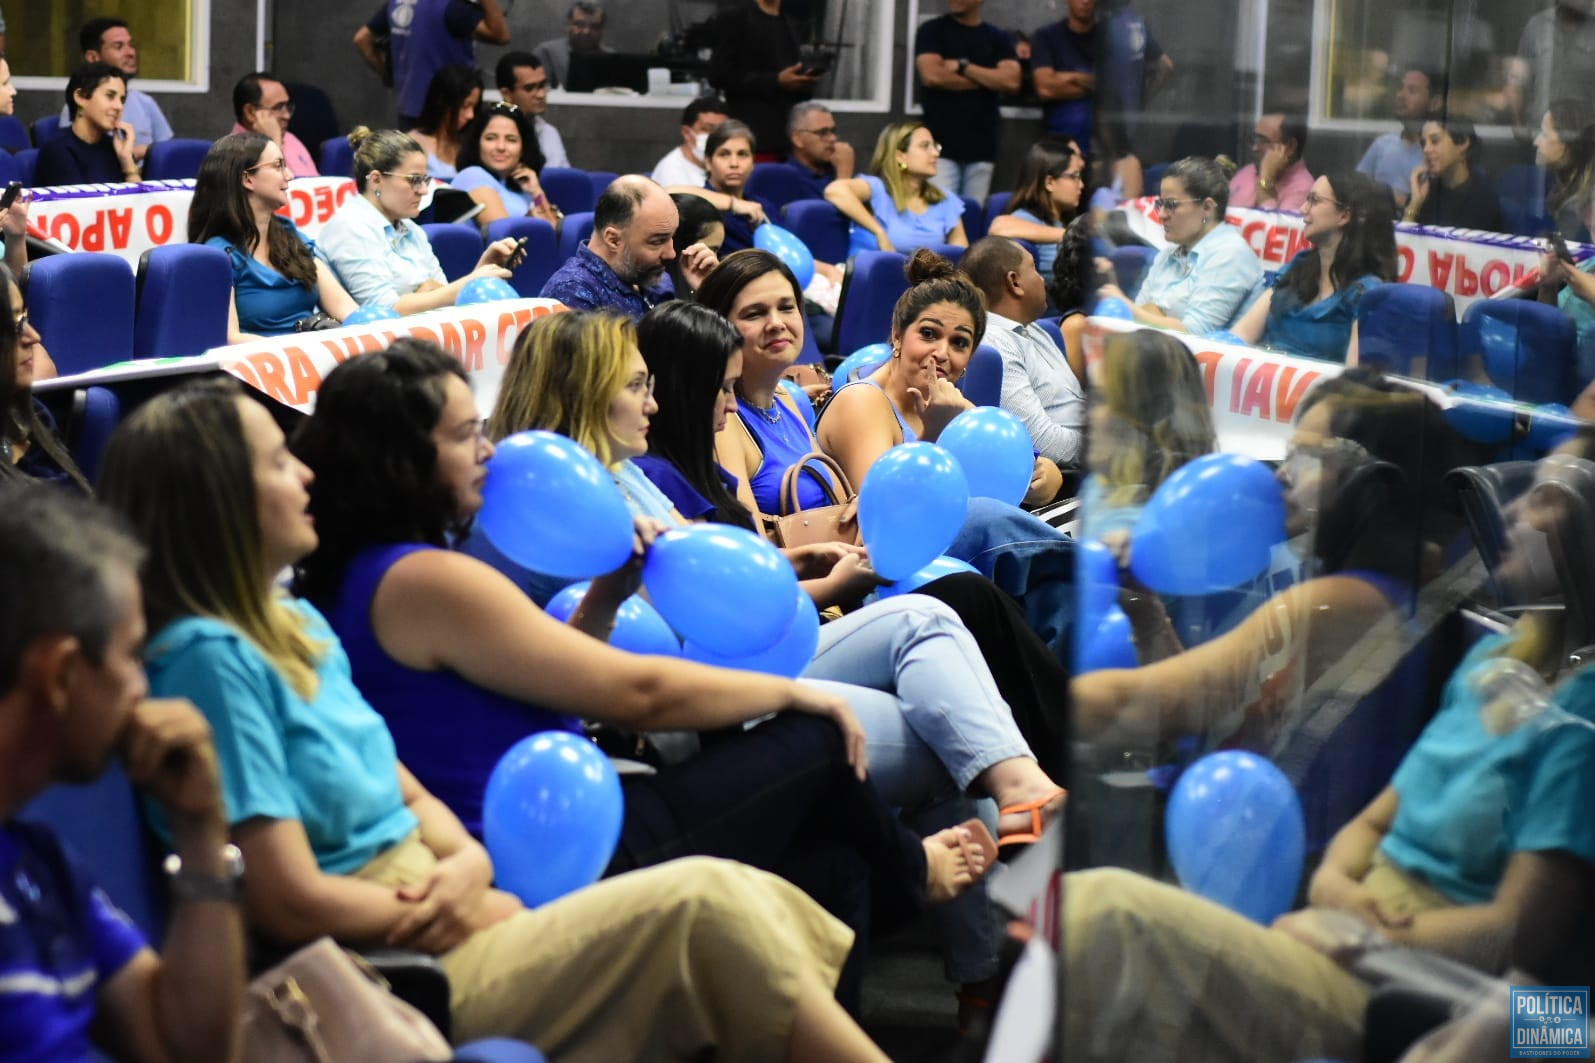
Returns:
(1048,194)
(899,206)
(1312,309)
(499,163)
(277,280)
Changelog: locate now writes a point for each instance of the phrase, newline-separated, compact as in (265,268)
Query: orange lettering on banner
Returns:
(94,233)
(1286,398)
(307,379)
(1467,280)
(158,224)
(1494,276)
(61,226)
(121,226)
(1406,262)
(344,191)
(1251,231)
(299,204)
(271,381)
(422,333)
(1209,362)
(325,204)
(1440,270)
(1259,391)
(1236,382)
(242,370)
(509,326)
(475,339)
(1274,247)
(451,339)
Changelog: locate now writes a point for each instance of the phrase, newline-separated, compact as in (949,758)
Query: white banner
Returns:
(289,369)
(1467,263)
(129,219)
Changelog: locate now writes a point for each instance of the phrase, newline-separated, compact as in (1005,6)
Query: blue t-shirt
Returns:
(516,202)
(448,731)
(328,762)
(1057,47)
(1046,254)
(1470,799)
(269,304)
(1319,329)
(61,941)
(425,36)
(907,230)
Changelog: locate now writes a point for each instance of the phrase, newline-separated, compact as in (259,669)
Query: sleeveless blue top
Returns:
(909,435)
(448,731)
(781,443)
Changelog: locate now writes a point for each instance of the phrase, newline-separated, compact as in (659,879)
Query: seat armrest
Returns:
(417,979)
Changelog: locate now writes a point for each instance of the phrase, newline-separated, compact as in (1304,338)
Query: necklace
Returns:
(773,414)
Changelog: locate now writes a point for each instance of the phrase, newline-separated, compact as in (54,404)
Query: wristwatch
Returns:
(1265,185)
(197,886)
(963,67)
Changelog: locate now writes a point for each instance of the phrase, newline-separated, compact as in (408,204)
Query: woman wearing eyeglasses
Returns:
(1201,281)
(1048,194)
(374,245)
(278,286)
(499,163)
(899,207)
(1312,310)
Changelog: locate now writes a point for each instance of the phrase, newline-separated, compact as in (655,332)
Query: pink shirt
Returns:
(300,164)
(1290,191)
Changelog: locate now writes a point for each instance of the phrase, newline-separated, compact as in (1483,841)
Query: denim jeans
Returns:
(972,179)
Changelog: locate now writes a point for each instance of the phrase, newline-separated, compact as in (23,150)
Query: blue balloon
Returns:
(1209,527)
(485,290)
(785,245)
(551,816)
(1115,308)
(805,404)
(789,656)
(638,626)
(1224,335)
(942,566)
(549,505)
(366,314)
(724,588)
(913,501)
(1097,575)
(1236,834)
(861,363)
(1109,644)
(995,451)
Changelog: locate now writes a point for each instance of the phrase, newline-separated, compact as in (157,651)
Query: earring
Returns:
(379,195)
(901,165)
(896,351)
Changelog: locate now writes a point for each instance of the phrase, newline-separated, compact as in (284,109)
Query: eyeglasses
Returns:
(824,134)
(285,108)
(1267,142)
(509,110)
(1170,204)
(281,166)
(22,322)
(1074,175)
(418,181)
(1313,199)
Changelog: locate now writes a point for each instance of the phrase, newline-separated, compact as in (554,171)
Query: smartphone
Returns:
(1558,245)
(10,195)
(518,255)
(814,70)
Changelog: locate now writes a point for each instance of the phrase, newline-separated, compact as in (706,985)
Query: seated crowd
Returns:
(308,658)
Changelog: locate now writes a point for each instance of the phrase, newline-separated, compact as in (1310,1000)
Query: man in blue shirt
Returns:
(622,265)
(817,156)
(72,694)
(1063,57)
(108,40)
(425,36)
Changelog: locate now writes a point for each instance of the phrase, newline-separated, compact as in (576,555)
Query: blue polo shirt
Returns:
(585,282)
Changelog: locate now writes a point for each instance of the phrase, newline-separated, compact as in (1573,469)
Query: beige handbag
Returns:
(325,1005)
(835,522)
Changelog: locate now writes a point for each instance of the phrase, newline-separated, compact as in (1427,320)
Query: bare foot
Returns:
(957,858)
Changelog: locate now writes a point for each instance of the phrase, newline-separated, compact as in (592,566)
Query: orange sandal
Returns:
(1037,820)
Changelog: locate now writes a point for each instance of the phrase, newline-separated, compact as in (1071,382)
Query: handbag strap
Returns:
(789,482)
(293,1008)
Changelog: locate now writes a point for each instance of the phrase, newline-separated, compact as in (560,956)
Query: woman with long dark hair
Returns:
(1565,146)
(1450,187)
(1045,198)
(499,162)
(29,442)
(452,98)
(1312,309)
(277,281)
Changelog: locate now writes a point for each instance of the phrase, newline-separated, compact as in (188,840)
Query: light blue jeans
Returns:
(972,179)
(922,692)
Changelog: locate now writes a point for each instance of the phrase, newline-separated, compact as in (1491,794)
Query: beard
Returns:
(633,273)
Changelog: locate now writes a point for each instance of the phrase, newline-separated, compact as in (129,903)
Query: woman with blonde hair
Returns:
(696,958)
(898,206)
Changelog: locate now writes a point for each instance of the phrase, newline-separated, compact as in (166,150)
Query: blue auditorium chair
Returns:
(1050,325)
(541,251)
(951,252)
(337,158)
(810,354)
(8,168)
(183,292)
(1483,493)
(1528,348)
(600,180)
(996,204)
(458,246)
(974,218)
(82,304)
(96,411)
(870,288)
(13,134)
(1152,179)
(570,190)
(574,231)
(820,226)
(45,128)
(175,159)
(26,160)
(779,183)
(982,379)
(1521,190)
(1130,264)
(1397,323)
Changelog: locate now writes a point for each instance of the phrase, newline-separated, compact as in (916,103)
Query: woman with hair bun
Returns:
(1201,281)
(1312,309)
(373,243)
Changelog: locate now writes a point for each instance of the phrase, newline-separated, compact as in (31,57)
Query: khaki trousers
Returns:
(1156,973)
(695,958)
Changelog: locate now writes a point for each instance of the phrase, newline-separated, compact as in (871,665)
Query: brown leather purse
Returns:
(834,522)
